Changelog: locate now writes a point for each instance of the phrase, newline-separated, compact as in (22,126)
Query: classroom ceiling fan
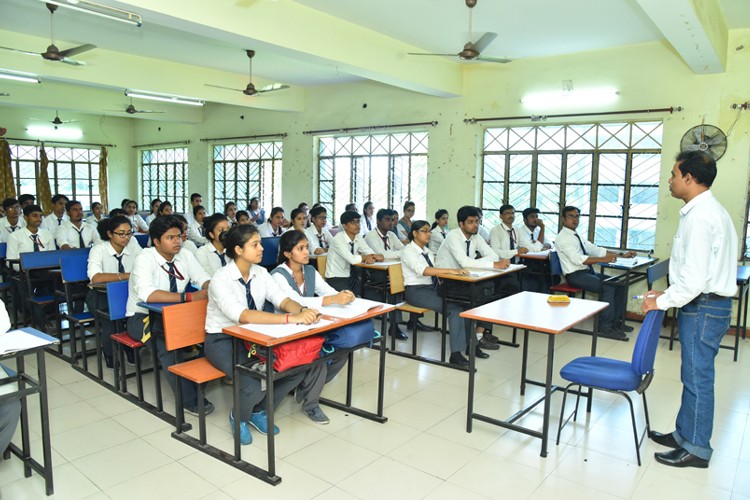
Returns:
(53,53)
(131,110)
(472,51)
(56,121)
(706,138)
(250,90)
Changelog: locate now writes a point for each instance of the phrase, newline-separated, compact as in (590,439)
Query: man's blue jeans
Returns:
(702,324)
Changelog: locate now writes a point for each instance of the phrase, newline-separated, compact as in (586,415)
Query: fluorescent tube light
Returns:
(564,98)
(19,77)
(163,98)
(51,132)
(99,10)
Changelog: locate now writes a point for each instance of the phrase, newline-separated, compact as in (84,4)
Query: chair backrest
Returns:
(3,250)
(396,275)
(142,240)
(656,272)
(554,264)
(644,351)
(74,265)
(184,324)
(117,299)
(322,260)
(41,260)
(270,251)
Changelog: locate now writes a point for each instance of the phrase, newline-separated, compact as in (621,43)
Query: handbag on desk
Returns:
(295,353)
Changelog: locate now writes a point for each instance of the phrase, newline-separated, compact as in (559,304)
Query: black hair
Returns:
(162,224)
(133,202)
(367,205)
(254,198)
(698,164)
(229,204)
(408,204)
(117,211)
(295,213)
(316,211)
(301,205)
(568,209)
(383,212)
(71,204)
(438,215)
(194,196)
(276,210)
(124,202)
(503,208)
(287,242)
(29,209)
(350,207)
(162,206)
(109,225)
(155,201)
(240,213)
(416,226)
(198,208)
(59,197)
(480,212)
(181,218)
(529,211)
(9,202)
(465,212)
(316,205)
(237,236)
(210,223)
(349,216)
(23,198)
(93,205)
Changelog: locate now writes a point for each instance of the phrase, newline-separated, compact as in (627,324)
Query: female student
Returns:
(236,295)
(299,219)
(110,260)
(368,218)
(131,207)
(154,210)
(257,214)
(420,279)
(196,233)
(243,217)
(404,223)
(230,210)
(212,255)
(165,208)
(439,230)
(96,214)
(304,284)
(186,243)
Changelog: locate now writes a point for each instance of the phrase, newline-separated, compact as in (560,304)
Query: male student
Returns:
(504,239)
(195,200)
(274,226)
(702,275)
(535,278)
(58,215)
(160,274)
(12,220)
(577,258)
(25,200)
(348,248)
(481,230)
(74,233)
(318,236)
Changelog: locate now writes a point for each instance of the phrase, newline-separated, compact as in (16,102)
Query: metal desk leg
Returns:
(548,392)
(25,446)
(472,363)
(236,401)
(381,366)
(270,437)
(524,361)
(44,414)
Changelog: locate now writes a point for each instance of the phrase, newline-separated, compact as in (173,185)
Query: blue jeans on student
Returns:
(702,324)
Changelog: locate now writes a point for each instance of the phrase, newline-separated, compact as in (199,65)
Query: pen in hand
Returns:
(648,295)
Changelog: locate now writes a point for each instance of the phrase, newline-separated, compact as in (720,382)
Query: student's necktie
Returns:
(81,244)
(511,237)
(59,221)
(369,225)
(248,294)
(172,278)
(443,233)
(13,228)
(531,236)
(35,239)
(429,264)
(322,241)
(201,230)
(468,244)
(221,258)
(352,271)
(583,249)
(385,241)
(120,267)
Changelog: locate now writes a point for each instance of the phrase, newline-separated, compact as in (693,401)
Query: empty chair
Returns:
(563,287)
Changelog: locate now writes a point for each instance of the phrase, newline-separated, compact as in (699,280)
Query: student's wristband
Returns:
(287,318)
(189,296)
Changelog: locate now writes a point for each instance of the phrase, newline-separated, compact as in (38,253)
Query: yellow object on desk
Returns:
(558,299)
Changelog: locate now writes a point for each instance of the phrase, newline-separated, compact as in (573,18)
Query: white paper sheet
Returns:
(481,273)
(279,331)
(356,308)
(17,340)
(632,262)
(543,253)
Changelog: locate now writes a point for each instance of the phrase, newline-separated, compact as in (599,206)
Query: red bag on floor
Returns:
(291,354)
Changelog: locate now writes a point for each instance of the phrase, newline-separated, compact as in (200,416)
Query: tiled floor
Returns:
(104,447)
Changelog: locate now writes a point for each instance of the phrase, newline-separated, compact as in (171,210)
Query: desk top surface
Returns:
(379,265)
(478,275)
(542,255)
(630,263)
(529,310)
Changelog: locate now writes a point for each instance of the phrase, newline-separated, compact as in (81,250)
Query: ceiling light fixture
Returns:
(100,10)
(569,98)
(18,76)
(138,94)
(50,132)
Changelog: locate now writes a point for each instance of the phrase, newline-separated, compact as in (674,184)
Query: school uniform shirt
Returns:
(227,298)
(90,219)
(413,264)
(366,225)
(485,234)
(322,289)
(704,253)
(189,246)
(196,233)
(104,259)
(317,240)
(261,213)
(68,234)
(139,225)
(500,239)
(150,273)
(51,222)
(6,228)
(341,257)
(211,259)
(150,219)
(21,241)
(402,231)
(529,238)
(377,241)
(437,238)
(453,253)
(266,230)
(570,249)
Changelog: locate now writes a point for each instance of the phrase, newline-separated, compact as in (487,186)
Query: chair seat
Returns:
(604,373)
(4,286)
(199,370)
(126,340)
(42,299)
(565,288)
(412,309)
(84,317)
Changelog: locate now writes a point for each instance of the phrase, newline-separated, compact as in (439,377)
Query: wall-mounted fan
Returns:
(250,89)
(706,138)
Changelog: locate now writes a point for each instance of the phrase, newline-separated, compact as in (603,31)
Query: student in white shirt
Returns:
(305,210)
(482,231)
(298,220)
(25,200)
(421,288)
(504,238)
(58,215)
(257,214)
(196,232)
(155,203)
(112,259)
(196,200)
(212,255)
(439,230)
(368,221)
(140,226)
(243,217)
(187,245)
(531,232)
(10,408)
(318,237)
(404,224)
(12,221)
(303,284)
(274,226)
(74,233)
(237,295)
(165,208)
(230,210)
(161,274)
(348,248)
(96,214)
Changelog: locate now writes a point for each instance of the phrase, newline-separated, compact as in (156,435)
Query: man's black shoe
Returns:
(667,440)
(129,356)
(609,332)
(625,328)
(488,345)
(457,359)
(479,353)
(420,326)
(680,458)
(399,334)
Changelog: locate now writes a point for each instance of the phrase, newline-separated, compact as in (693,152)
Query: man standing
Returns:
(703,276)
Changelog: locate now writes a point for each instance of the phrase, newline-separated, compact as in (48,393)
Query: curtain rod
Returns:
(173,143)
(59,142)
(263,136)
(537,118)
(372,127)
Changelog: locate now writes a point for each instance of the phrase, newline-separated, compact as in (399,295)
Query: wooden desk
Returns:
(552,320)
(267,344)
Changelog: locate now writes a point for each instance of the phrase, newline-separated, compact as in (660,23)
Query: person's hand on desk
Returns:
(649,301)
(628,255)
(546,246)
(458,272)
(609,258)
(522,250)
(305,316)
(343,297)
(370,259)
(379,257)
(320,251)
(501,264)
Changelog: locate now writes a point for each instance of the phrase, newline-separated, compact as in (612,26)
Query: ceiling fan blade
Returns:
(222,87)
(73,62)
(423,54)
(272,88)
(147,111)
(484,41)
(493,59)
(29,53)
(77,50)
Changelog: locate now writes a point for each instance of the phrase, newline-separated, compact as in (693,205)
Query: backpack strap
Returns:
(309,273)
(288,278)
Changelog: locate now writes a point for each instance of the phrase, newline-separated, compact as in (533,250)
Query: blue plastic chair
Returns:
(142,240)
(6,286)
(39,261)
(556,270)
(117,299)
(270,251)
(73,268)
(618,377)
